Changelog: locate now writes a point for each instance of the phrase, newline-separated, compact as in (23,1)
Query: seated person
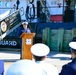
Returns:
(39,52)
(1,67)
(70,68)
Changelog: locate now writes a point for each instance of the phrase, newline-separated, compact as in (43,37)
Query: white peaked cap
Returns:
(40,49)
(72,45)
(24,67)
(24,23)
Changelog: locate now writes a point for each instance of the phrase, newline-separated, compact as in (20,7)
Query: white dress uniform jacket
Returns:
(47,69)
(24,67)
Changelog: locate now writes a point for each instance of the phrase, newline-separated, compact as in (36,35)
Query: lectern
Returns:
(27,42)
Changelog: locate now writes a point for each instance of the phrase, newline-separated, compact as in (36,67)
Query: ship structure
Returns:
(53,21)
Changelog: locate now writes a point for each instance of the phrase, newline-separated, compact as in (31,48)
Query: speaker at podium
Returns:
(27,42)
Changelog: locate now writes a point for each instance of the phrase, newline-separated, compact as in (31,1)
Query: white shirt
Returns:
(47,69)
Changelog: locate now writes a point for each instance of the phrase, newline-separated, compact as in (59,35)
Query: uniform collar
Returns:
(39,61)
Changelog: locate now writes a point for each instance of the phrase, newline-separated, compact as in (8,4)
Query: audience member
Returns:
(40,52)
(70,68)
(24,67)
(1,67)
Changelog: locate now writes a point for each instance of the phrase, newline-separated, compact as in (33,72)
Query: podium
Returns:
(27,42)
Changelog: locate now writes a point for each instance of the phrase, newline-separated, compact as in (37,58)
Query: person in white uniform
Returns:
(24,67)
(39,52)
